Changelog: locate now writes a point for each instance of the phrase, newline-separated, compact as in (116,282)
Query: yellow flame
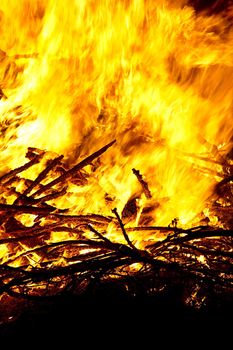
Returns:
(155,75)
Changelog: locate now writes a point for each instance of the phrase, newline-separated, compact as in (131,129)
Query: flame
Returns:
(155,75)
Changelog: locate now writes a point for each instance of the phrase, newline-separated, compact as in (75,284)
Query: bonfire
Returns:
(116,148)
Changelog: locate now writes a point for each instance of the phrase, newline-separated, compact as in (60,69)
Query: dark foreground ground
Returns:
(95,317)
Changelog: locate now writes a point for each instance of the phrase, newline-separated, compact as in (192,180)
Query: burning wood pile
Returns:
(38,262)
(124,112)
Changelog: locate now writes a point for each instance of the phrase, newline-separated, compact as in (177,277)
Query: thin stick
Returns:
(123,229)
(69,173)
(82,218)
(98,234)
(86,267)
(18,170)
(185,236)
(9,208)
(49,197)
(206,252)
(51,164)
(40,232)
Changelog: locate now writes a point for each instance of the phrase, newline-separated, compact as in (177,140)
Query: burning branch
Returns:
(51,164)
(22,168)
(143,183)
(123,229)
(69,173)
(202,254)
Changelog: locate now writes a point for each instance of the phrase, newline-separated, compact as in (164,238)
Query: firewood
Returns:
(123,229)
(201,255)
(18,170)
(51,164)
(12,208)
(69,173)
(49,197)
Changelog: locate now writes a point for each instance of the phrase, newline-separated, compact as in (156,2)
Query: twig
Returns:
(171,259)
(51,164)
(206,234)
(69,173)
(11,208)
(18,170)
(48,246)
(98,234)
(88,218)
(190,235)
(49,197)
(206,252)
(106,262)
(123,229)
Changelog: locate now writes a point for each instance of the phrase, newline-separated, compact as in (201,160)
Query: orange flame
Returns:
(152,74)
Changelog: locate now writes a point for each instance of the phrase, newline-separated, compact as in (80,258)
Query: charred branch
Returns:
(202,254)
(20,169)
(69,173)
(143,183)
(51,164)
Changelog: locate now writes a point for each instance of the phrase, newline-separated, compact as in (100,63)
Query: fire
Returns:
(154,75)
